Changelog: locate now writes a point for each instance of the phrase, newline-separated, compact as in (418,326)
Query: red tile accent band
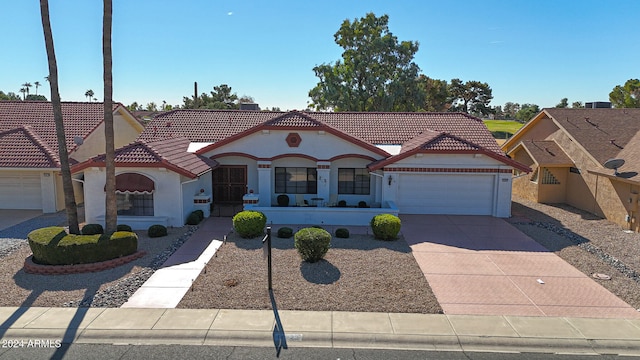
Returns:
(32,268)
(324,166)
(249,201)
(201,201)
(264,166)
(450,170)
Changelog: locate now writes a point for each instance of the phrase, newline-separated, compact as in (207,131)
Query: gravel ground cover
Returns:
(589,243)
(357,274)
(109,288)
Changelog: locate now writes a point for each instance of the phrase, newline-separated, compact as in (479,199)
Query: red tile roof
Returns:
(373,128)
(23,148)
(170,153)
(80,119)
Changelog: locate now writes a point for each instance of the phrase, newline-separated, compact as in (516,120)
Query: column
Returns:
(264,183)
(323,169)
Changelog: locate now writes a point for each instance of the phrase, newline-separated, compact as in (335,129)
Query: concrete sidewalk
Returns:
(322,329)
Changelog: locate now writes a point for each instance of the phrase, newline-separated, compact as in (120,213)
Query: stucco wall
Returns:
(125,130)
(553,193)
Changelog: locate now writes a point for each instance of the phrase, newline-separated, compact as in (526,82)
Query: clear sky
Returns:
(527,51)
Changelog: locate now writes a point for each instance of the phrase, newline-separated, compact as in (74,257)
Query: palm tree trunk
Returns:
(67,184)
(111,214)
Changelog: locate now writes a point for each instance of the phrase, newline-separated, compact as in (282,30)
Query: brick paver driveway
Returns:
(480,265)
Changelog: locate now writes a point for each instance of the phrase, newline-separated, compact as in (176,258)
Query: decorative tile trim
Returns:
(249,201)
(324,167)
(32,268)
(448,170)
(264,166)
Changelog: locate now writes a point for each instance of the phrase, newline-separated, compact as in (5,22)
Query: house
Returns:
(569,151)
(399,163)
(30,175)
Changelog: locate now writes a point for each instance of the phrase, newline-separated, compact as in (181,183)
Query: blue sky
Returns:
(527,51)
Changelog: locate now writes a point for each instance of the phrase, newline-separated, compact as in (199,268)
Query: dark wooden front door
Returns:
(229,184)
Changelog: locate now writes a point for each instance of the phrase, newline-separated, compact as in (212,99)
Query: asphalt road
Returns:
(135,352)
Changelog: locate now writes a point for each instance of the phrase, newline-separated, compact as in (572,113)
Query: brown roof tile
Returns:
(547,152)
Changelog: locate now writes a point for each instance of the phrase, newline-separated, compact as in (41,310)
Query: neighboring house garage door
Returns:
(446,194)
(20,190)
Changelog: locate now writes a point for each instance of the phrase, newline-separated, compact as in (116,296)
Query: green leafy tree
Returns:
(563,104)
(527,112)
(376,73)
(9,96)
(511,109)
(471,97)
(577,105)
(222,97)
(67,185)
(33,97)
(437,97)
(627,96)
(134,106)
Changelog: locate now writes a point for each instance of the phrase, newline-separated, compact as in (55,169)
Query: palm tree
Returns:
(89,94)
(67,185)
(23,91)
(37,85)
(111,210)
(26,86)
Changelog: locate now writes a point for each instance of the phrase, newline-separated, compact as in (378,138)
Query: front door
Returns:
(229,184)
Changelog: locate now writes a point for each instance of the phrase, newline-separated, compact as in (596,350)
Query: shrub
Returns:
(155,231)
(123,227)
(342,233)
(363,204)
(199,213)
(285,232)
(283,200)
(193,219)
(53,246)
(385,226)
(92,229)
(249,223)
(342,203)
(312,243)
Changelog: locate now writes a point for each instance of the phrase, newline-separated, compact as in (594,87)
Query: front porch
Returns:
(312,215)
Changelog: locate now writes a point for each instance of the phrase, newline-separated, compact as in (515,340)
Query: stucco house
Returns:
(568,149)
(29,164)
(399,163)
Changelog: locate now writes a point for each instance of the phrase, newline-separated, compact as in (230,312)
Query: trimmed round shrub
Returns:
(194,219)
(249,223)
(92,229)
(123,227)
(385,226)
(363,204)
(312,243)
(342,203)
(342,233)
(157,230)
(283,200)
(199,213)
(285,232)
(53,246)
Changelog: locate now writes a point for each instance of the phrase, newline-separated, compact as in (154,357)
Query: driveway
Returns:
(480,265)
(8,218)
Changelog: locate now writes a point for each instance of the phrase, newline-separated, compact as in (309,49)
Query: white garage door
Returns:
(446,194)
(20,190)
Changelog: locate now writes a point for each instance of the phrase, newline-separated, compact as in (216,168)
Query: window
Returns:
(135,204)
(296,180)
(354,181)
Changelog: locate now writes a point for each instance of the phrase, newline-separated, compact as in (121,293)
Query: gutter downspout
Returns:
(182,195)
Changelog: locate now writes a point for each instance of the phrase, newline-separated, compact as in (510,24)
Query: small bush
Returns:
(363,204)
(200,214)
(342,203)
(285,232)
(92,229)
(123,227)
(249,223)
(283,200)
(342,233)
(385,226)
(193,219)
(155,231)
(53,246)
(312,243)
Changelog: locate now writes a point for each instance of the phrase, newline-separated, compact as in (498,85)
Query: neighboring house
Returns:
(399,163)
(29,163)
(567,150)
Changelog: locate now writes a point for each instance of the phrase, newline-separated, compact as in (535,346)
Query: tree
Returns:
(37,85)
(33,97)
(564,103)
(511,109)
(376,73)
(67,185)
(577,105)
(9,96)
(134,106)
(527,112)
(472,97)
(152,106)
(23,91)
(26,87)
(89,94)
(221,97)
(627,96)
(111,209)
(436,94)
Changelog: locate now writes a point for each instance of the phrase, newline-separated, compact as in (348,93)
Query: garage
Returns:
(20,190)
(464,194)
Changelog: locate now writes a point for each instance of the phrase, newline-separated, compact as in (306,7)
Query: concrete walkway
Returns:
(480,265)
(167,286)
(322,329)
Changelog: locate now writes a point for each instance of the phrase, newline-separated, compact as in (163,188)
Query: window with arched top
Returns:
(134,194)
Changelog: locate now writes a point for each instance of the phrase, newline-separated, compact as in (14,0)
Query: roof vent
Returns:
(78,140)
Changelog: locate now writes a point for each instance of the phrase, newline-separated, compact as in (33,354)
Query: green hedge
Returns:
(53,246)
(285,232)
(385,226)
(157,230)
(249,223)
(312,243)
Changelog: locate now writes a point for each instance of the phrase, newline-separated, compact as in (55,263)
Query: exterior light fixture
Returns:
(390,180)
